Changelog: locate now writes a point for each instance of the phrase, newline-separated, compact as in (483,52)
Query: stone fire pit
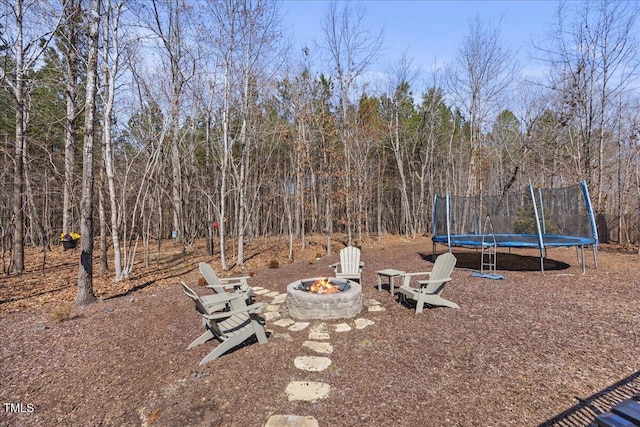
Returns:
(305,305)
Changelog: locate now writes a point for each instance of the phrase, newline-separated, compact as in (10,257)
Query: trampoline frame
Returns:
(541,240)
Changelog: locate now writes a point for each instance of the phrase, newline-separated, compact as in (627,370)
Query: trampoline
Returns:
(540,219)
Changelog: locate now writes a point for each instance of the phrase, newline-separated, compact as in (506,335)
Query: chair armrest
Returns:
(226,286)
(216,299)
(427,282)
(406,277)
(250,309)
(421,273)
(239,279)
(225,297)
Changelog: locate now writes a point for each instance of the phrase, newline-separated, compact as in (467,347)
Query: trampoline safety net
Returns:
(563,211)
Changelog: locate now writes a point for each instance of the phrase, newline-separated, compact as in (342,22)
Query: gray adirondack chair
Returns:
(429,292)
(231,328)
(222,285)
(213,302)
(350,266)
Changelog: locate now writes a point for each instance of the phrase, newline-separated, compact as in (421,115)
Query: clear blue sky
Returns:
(430,31)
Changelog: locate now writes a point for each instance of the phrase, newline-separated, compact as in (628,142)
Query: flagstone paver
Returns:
(341,327)
(271,315)
(319,347)
(376,308)
(312,363)
(272,294)
(291,421)
(257,288)
(272,307)
(371,302)
(319,336)
(284,323)
(279,299)
(261,291)
(309,391)
(362,323)
(320,327)
(282,335)
(298,326)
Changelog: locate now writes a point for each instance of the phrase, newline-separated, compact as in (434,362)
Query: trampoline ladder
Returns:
(489,249)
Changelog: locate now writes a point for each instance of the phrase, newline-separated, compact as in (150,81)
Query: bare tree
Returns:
(351,47)
(478,77)
(247,40)
(70,39)
(111,62)
(170,23)
(27,36)
(593,61)
(400,105)
(85,293)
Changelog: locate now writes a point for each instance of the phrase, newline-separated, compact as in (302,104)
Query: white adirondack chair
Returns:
(350,266)
(429,291)
(231,328)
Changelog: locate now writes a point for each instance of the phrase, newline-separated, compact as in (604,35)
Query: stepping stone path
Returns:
(319,334)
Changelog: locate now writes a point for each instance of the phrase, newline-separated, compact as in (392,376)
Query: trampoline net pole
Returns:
(448,222)
(544,225)
(537,219)
(592,218)
(592,221)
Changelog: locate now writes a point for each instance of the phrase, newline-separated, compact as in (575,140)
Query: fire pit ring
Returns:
(306,305)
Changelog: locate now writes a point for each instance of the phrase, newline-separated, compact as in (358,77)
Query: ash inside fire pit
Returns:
(333,299)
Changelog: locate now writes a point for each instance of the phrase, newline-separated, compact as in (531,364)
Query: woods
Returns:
(194,113)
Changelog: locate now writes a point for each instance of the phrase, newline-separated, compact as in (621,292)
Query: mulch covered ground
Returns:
(523,351)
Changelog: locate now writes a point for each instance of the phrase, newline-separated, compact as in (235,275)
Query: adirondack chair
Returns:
(350,266)
(221,285)
(214,302)
(231,328)
(429,291)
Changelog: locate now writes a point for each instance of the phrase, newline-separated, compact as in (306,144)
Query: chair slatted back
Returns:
(350,260)
(210,276)
(200,308)
(441,271)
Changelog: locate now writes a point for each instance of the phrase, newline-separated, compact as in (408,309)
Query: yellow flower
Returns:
(67,237)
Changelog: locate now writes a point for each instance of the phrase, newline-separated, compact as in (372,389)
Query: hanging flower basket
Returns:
(69,240)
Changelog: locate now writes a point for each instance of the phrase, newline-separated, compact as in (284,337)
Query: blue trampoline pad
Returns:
(513,240)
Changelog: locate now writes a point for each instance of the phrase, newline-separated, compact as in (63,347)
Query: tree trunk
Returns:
(104,267)
(85,293)
(71,9)
(18,186)
(111,63)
